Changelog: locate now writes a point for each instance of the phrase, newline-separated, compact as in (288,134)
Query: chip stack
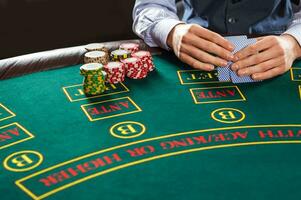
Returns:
(135,68)
(96,57)
(146,59)
(130,47)
(127,61)
(98,47)
(95,77)
(119,55)
(115,72)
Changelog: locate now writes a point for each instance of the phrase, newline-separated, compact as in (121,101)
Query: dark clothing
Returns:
(240,16)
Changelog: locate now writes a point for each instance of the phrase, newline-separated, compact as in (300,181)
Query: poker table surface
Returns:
(178,134)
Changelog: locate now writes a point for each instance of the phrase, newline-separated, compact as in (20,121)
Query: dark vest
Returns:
(233,17)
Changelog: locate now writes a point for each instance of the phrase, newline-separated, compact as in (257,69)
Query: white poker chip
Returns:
(95,54)
(130,60)
(91,67)
(119,52)
(129,45)
(142,54)
(94,46)
(114,65)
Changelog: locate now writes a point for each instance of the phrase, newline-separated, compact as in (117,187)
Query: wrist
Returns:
(296,48)
(169,40)
(171,37)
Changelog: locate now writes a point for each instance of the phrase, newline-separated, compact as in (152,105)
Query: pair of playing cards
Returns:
(226,74)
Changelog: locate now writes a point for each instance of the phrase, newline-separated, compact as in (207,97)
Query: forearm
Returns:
(153,20)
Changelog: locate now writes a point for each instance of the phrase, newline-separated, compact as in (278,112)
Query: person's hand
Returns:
(270,56)
(200,47)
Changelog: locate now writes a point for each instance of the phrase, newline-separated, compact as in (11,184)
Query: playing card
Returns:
(240,44)
(224,72)
(238,37)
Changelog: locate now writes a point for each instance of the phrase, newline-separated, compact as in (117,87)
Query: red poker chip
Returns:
(142,54)
(132,62)
(135,68)
(131,47)
(116,72)
(146,58)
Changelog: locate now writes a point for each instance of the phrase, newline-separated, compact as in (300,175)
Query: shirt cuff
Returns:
(295,31)
(162,29)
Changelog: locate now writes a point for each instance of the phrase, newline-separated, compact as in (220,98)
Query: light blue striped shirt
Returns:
(154,19)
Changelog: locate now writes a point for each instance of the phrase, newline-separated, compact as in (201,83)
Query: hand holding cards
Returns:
(199,47)
(226,73)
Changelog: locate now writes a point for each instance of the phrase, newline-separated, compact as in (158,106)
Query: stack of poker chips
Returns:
(94,78)
(130,47)
(120,54)
(146,59)
(125,61)
(98,47)
(135,68)
(116,72)
(96,57)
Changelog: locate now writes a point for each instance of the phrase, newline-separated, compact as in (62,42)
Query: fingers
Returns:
(196,46)
(261,67)
(256,59)
(208,46)
(211,36)
(270,73)
(195,63)
(254,48)
(202,56)
(267,58)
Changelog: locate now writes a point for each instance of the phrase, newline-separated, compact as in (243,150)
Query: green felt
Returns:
(228,170)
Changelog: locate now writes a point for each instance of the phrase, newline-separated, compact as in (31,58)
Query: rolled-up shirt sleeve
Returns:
(294,29)
(154,19)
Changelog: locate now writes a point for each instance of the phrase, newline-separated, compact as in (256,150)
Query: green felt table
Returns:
(179,134)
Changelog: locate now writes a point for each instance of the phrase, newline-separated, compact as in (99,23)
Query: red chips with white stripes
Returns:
(115,72)
(122,64)
(130,47)
(146,59)
(135,68)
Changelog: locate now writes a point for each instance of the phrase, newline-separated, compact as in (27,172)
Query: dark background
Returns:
(28,26)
